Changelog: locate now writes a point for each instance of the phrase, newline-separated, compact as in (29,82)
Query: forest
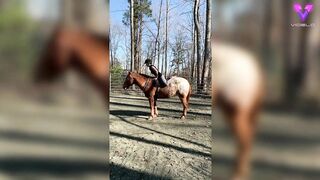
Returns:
(175,34)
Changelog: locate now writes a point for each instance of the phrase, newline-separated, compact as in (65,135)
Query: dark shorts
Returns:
(162,80)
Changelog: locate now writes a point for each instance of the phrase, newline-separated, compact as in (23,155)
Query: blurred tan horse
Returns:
(176,86)
(238,88)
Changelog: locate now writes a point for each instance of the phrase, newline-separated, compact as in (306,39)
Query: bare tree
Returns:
(115,36)
(194,50)
(207,54)
(166,45)
(197,44)
(132,32)
(157,40)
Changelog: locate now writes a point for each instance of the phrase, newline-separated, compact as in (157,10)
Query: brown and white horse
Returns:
(75,49)
(238,89)
(176,86)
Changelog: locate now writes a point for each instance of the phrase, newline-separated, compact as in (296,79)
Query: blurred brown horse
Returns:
(73,48)
(238,89)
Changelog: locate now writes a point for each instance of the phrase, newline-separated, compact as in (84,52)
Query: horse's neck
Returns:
(92,59)
(140,81)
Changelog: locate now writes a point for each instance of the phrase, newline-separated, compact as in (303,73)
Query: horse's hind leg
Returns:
(243,130)
(184,102)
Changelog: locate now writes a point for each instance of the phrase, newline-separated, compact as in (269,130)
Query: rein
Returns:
(145,85)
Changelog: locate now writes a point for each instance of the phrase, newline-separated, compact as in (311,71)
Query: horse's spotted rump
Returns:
(178,84)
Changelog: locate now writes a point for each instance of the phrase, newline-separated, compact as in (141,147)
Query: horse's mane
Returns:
(99,38)
(146,76)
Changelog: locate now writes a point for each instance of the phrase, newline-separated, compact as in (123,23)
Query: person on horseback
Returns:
(160,77)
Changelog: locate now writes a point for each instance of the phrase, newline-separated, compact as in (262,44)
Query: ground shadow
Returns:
(263,167)
(46,139)
(278,139)
(163,100)
(53,166)
(159,132)
(160,109)
(128,113)
(181,149)
(123,173)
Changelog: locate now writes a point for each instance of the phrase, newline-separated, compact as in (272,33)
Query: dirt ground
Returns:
(287,146)
(69,141)
(165,148)
(44,141)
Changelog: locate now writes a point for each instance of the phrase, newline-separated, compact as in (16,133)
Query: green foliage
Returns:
(16,40)
(142,8)
(116,72)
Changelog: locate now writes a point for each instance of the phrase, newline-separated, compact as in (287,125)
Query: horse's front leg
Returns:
(151,102)
(155,107)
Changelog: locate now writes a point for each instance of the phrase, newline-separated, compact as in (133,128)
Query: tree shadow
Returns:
(181,149)
(119,112)
(163,100)
(260,168)
(128,113)
(26,137)
(123,173)
(53,166)
(160,109)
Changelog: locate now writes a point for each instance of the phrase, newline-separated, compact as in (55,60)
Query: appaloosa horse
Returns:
(73,48)
(176,86)
(238,88)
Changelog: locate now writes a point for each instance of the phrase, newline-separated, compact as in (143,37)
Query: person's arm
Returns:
(154,70)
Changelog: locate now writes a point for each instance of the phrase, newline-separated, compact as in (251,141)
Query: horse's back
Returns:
(179,84)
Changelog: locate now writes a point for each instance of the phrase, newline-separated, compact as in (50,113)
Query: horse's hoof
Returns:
(183,117)
(152,117)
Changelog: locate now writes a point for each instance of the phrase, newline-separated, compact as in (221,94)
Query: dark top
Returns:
(154,70)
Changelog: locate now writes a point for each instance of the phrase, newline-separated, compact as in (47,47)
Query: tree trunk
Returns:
(207,48)
(139,44)
(197,25)
(287,52)
(166,46)
(266,33)
(132,32)
(194,46)
(158,33)
(301,63)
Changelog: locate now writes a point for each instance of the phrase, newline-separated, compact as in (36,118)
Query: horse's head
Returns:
(128,81)
(55,58)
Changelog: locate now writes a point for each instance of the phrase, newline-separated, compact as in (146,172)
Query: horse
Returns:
(176,86)
(76,49)
(238,89)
